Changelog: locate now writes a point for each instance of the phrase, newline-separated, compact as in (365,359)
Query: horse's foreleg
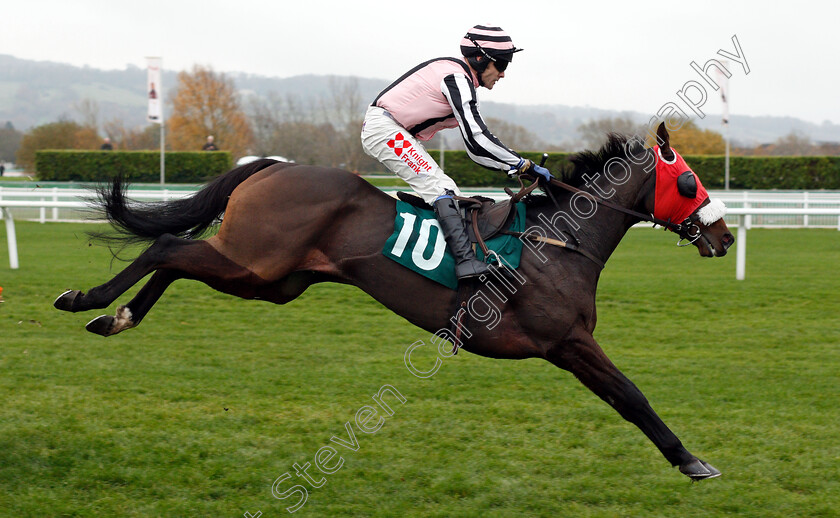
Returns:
(583,357)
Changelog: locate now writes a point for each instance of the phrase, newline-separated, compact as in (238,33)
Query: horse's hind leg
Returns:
(131,314)
(584,358)
(102,296)
(173,258)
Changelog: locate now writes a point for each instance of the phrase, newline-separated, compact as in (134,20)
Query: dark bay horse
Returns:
(288,226)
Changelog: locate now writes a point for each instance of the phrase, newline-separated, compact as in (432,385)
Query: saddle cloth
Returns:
(492,217)
(418,244)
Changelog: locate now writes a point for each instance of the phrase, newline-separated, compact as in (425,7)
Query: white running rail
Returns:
(746,209)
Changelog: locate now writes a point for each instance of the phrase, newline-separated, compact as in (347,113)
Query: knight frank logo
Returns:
(398,144)
(412,158)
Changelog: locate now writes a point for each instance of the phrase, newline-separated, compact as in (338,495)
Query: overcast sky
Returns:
(627,55)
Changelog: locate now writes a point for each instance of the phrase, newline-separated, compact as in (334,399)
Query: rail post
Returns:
(11,239)
(741,248)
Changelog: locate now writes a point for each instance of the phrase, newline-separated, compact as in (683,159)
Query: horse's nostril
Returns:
(727,241)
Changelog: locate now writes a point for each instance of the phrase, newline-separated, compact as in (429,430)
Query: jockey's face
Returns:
(490,76)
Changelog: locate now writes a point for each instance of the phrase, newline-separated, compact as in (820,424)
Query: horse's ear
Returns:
(664,141)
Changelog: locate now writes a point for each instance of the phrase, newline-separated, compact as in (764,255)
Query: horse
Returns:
(288,226)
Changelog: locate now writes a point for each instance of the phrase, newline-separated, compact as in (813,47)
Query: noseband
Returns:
(689,230)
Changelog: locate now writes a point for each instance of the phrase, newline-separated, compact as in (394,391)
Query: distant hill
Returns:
(558,123)
(38,92)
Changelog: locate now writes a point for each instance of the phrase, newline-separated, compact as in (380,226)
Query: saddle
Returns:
(485,217)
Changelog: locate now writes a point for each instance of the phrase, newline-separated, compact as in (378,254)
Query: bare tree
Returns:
(263,114)
(793,144)
(594,133)
(89,113)
(343,103)
(344,108)
(285,125)
(10,139)
(515,136)
(143,137)
(320,132)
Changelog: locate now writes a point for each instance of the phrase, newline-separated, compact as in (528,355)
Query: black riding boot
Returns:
(455,232)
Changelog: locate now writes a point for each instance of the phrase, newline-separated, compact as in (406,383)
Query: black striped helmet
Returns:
(489,41)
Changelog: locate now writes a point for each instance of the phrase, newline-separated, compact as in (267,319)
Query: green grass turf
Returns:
(201,408)
(387,182)
(13,181)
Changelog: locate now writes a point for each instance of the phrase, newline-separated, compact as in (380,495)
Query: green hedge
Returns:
(137,166)
(806,172)
(777,172)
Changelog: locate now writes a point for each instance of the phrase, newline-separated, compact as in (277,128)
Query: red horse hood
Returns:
(669,204)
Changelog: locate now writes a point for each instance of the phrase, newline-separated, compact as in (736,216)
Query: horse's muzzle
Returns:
(719,250)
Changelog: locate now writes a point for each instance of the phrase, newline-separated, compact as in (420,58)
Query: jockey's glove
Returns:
(526,166)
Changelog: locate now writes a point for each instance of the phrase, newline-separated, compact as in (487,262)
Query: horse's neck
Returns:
(604,230)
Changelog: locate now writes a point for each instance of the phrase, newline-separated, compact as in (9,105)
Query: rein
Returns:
(556,242)
(678,228)
(687,230)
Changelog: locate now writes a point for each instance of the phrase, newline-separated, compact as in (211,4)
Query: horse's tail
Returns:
(186,217)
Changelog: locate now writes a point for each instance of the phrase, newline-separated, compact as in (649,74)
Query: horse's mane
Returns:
(594,161)
(617,146)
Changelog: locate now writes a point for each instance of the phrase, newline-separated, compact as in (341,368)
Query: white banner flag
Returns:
(155,113)
(723,81)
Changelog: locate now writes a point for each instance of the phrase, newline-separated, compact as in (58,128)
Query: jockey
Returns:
(439,94)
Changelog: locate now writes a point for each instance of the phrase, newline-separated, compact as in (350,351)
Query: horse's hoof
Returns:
(699,470)
(714,471)
(102,325)
(64,302)
(106,325)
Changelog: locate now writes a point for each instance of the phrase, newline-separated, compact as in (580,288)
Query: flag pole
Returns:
(154,89)
(163,134)
(724,96)
(726,183)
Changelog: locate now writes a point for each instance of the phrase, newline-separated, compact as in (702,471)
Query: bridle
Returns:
(687,230)
(683,228)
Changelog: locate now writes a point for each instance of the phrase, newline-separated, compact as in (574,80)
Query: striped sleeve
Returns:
(482,146)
